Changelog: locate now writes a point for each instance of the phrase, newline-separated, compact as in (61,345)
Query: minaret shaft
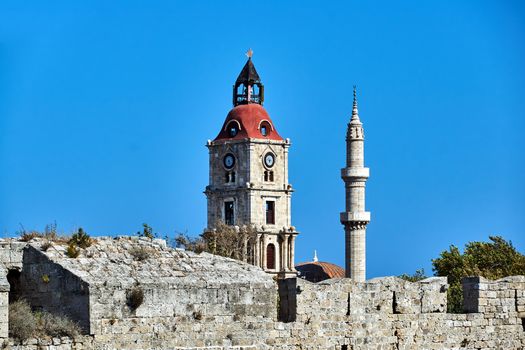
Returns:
(355,218)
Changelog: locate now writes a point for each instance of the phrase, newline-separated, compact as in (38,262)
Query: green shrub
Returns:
(81,239)
(72,251)
(147,232)
(417,276)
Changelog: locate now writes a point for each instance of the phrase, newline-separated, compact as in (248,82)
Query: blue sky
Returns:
(105,108)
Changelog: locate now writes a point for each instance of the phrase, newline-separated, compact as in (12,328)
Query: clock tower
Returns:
(248,183)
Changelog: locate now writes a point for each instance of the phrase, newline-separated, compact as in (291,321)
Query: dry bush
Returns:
(45,246)
(230,241)
(56,326)
(22,322)
(50,234)
(134,297)
(225,240)
(29,235)
(140,253)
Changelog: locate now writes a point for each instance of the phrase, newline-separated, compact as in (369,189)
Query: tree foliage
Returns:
(493,260)
(417,276)
(224,240)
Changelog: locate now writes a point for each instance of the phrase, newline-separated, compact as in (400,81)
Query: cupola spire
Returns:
(248,87)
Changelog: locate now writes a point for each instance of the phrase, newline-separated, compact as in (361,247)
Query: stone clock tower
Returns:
(248,182)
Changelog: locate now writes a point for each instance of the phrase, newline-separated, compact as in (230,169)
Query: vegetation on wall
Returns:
(224,240)
(417,276)
(81,239)
(24,324)
(134,297)
(147,232)
(140,253)
(77,241)
(50,233)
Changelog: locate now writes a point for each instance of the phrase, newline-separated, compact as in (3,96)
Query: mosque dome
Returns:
(316,271)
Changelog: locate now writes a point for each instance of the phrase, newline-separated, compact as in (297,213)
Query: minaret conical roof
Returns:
(355,112)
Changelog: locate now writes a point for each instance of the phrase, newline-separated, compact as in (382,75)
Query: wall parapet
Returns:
(385,295)
(503,296)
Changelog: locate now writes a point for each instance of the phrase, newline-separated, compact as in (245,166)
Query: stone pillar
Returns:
(263,251)
(355,217)
(257,251)
(286,263)
(292,253)
(277,258)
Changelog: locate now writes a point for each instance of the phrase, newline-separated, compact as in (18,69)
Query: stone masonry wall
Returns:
(206,302)
(388,313)
(11,253)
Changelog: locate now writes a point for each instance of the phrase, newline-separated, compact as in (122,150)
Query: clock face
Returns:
(229,161)
(269,160)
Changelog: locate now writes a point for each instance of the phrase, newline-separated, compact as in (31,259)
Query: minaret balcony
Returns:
(362,173)
(359,216)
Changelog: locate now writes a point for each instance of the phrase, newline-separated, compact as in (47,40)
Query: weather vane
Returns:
(249,53)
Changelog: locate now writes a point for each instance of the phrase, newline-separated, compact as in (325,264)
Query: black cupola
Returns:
(248,87)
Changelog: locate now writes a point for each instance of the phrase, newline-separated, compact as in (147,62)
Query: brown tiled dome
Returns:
(316,271)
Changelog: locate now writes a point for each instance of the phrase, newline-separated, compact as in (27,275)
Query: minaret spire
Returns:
(355,112)
(355,217)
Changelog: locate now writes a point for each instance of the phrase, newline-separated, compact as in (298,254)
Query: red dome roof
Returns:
(248,119)
(316,271)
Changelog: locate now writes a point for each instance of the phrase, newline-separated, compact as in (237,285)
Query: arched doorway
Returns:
(270,256)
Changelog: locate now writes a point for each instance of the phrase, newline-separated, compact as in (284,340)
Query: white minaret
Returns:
(355,218)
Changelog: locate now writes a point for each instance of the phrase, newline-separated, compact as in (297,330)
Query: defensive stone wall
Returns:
(200,301)
(389,313)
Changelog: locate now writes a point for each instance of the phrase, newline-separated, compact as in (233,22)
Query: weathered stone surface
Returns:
(201,301)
